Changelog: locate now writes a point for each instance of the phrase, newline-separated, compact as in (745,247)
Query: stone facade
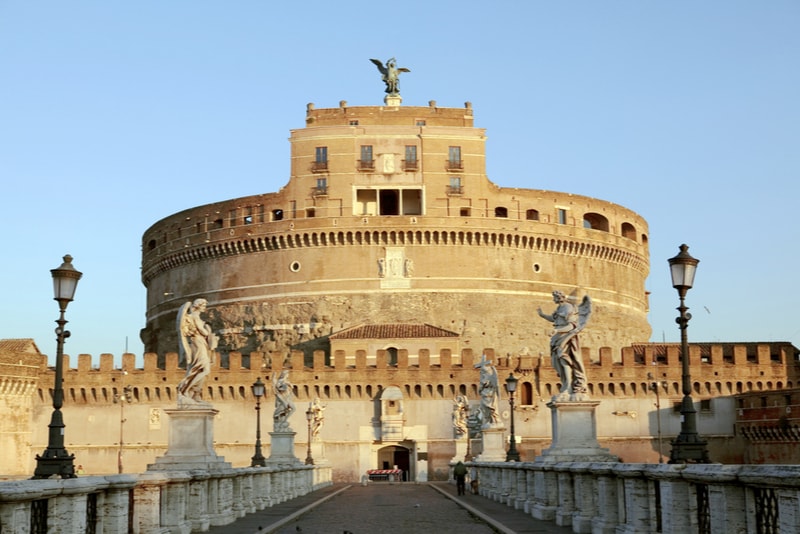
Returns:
(389,217)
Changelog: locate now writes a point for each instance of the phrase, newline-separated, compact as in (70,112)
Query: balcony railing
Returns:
(319,166)
(410,164)
(319,191)
(366,165)
(455,165)
(455,190)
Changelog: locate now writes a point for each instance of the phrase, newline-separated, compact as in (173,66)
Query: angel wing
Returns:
(584,312)
(403,69)
(183,343)
(379,64)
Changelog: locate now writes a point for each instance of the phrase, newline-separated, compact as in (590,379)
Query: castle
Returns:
(378,275)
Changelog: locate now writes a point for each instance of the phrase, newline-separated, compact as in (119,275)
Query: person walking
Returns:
(460,472)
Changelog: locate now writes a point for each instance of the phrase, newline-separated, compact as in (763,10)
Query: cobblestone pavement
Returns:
(403,508)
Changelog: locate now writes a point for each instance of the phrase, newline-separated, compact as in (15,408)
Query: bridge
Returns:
(390,508)
(523,497)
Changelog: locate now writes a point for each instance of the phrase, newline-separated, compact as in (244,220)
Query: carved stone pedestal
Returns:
(318,453)
(191,442)
(574,434)
(282,449)
(494,445)
(461,450)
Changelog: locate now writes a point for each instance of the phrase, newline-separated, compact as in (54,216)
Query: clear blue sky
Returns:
(116,114)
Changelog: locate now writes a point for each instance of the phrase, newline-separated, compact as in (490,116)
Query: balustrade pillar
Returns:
(566,496)
(530,484)
(545,494)
(607,518)
(585,489)
(639,518)
(522,487)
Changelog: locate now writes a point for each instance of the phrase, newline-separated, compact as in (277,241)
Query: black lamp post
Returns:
(55,460)
(309,418)
(687,447)
(511,386)
(258,392)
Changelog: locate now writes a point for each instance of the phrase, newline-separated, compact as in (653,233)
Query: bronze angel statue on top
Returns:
(390,74)
(565,351)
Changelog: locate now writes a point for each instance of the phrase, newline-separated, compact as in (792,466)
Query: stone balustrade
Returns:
(627,498)
(151,502)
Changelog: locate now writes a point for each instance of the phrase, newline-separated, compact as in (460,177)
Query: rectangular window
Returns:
(454,158)
(366,152)
(705,405)
(455,186)
(420,122)
(562,216)
(366,163)
(410,163)
(322,184)
(353,123)
(320,159)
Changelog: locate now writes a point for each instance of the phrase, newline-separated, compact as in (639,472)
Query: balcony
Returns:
(319,191)
(410,165)
(455,165)
(455,190)
(319,166)
(366,165)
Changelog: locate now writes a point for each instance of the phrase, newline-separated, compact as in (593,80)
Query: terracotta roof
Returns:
(25,345)
(392,331)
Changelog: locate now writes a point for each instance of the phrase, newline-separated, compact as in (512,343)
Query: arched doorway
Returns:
(395,455)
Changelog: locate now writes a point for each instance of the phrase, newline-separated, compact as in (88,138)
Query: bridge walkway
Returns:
(389,508)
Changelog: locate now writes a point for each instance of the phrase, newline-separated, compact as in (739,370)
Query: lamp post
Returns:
(309,418)
(654,386)
(687,447)
(258,392)
(511,387)
(122,398)
(55,460)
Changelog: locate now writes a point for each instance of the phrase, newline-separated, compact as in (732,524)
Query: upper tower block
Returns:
(415,116)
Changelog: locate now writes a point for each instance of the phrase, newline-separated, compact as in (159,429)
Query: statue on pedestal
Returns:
(196,349)
(460,414)
(489,391)
(317,417)
(565,351)
(284,401)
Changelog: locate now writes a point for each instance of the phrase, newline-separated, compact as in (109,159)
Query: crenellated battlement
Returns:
(716,369)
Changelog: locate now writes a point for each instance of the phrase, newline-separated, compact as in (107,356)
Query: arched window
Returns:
(526,394)
(500,211)
(532,215)
(391,356)
(628,231)
(595,221)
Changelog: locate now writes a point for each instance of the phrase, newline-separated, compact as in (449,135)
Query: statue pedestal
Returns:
(191,441)
(461,450)
(494,445)
(574,434)
(318,453)
(392,100)
(282,448)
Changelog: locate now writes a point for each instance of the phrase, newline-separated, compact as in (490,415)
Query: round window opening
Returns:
(537,267)
(294,266)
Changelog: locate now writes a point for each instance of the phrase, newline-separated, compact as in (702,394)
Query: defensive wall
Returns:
(114,415)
